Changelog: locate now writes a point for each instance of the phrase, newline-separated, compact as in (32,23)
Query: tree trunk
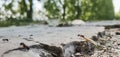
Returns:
(64,14)
(30,11)
(78,9)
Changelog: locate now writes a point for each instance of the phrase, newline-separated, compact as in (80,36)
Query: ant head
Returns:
(22,43)
(81,35)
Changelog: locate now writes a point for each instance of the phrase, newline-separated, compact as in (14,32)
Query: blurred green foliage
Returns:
(117,16)
(97,10)
(24,9)
(19,22)
(80,9)
(64,10)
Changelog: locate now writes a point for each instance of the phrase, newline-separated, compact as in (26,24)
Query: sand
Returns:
(43,33)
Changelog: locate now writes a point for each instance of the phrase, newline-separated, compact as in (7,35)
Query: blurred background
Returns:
(24,12)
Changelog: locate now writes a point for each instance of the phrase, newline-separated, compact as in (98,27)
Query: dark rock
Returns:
(118,44)
(112,26)
(95,38)
(101,34)
(5,39)
(64,25)
(117,33)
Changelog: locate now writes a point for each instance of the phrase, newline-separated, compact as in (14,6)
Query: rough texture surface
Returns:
(54,36)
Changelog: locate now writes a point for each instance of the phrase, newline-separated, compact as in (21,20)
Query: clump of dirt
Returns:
(111,45)
(112,26)
(44,50)
(111,49)
(105,44)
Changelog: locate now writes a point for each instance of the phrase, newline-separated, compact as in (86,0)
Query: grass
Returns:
(22,22)
(7,23)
